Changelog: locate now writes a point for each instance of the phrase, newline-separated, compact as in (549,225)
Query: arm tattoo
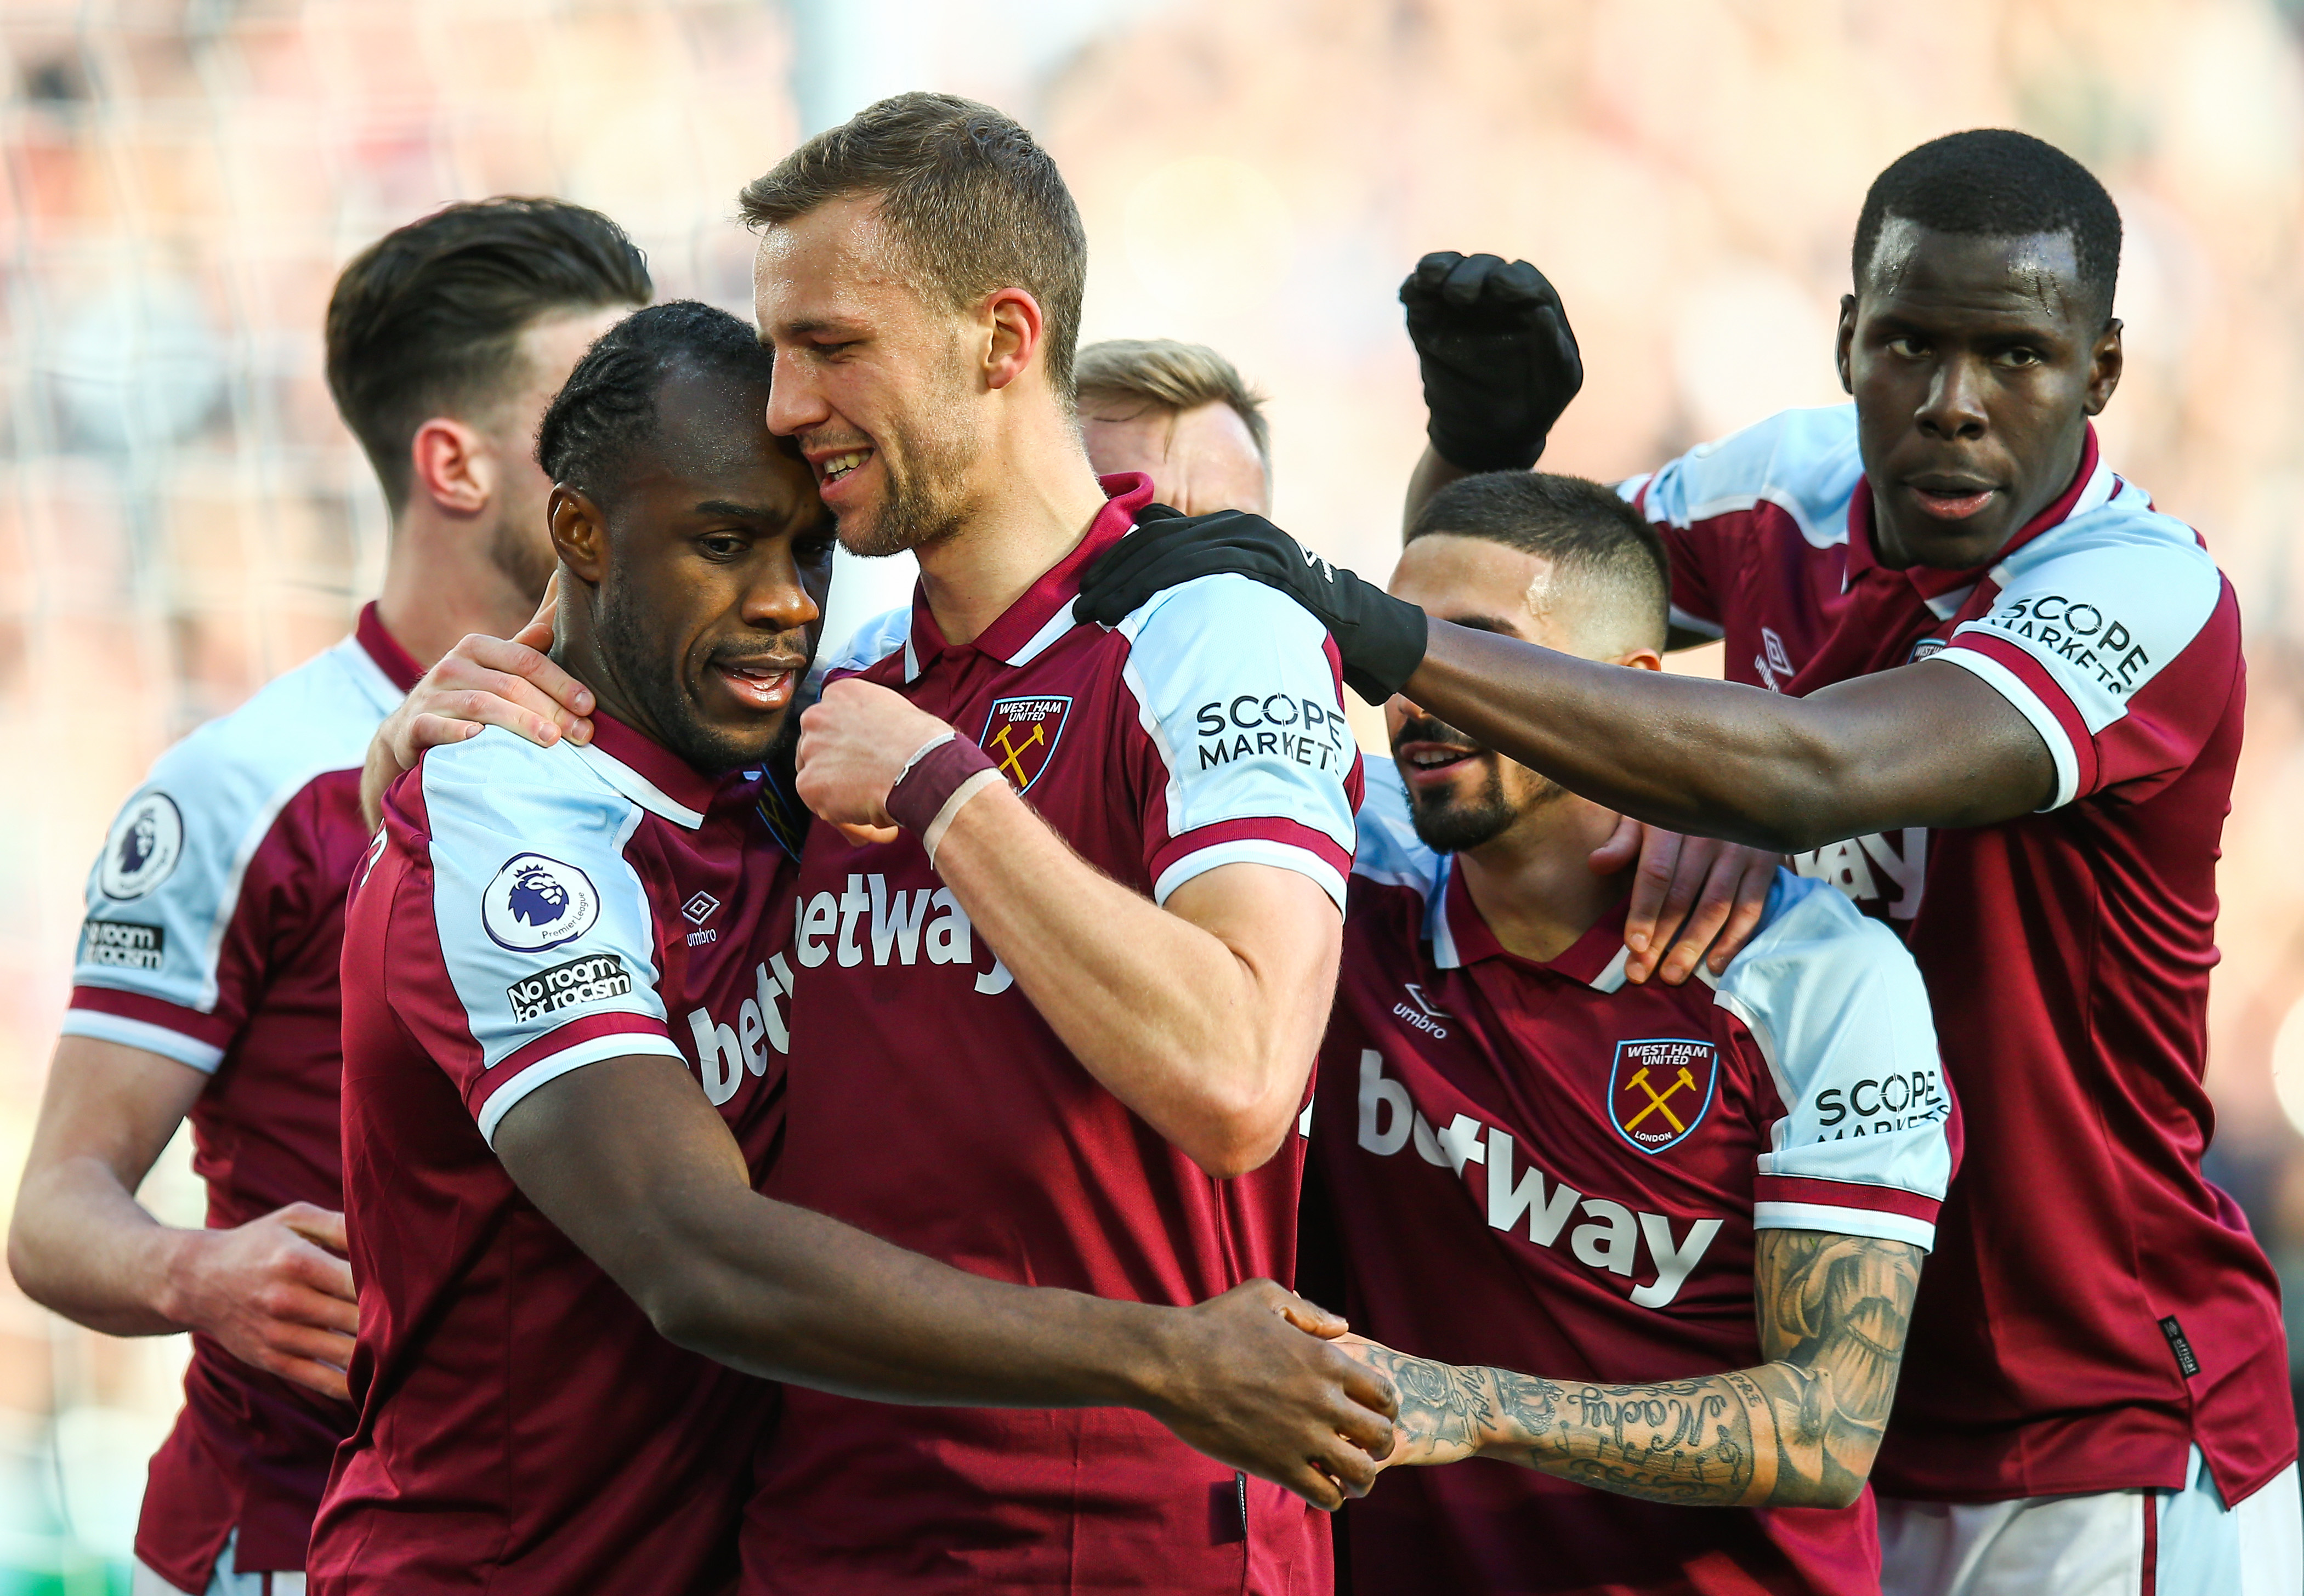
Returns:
(1833,1312)
(1800,1429)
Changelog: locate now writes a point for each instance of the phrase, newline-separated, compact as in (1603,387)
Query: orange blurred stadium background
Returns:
(182,516)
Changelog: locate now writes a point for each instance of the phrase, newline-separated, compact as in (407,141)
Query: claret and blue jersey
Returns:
(931,1104)
(214,920)
(1540,1166)
(2094,1307)
(524,913)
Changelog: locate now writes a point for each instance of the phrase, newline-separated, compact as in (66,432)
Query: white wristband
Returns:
(961,794)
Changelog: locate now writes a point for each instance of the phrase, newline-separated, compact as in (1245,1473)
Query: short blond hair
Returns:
(1175,376)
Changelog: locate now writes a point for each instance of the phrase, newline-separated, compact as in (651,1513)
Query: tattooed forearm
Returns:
(1833,1312)
(1799,1431)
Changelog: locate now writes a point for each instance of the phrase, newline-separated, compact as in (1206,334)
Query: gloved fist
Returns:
(1381,639)
(1500,363)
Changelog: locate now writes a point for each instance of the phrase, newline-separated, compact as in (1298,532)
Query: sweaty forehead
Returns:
(1919,267)
(710,428)
(835,263)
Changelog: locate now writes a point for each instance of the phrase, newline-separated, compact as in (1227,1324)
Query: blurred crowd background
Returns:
(182,516)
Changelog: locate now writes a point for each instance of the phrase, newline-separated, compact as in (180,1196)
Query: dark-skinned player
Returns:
(1997,697)
(567,988)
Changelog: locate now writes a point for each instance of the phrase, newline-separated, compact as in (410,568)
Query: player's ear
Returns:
(452,466)
(1015,326)
(1640,659)
(579,532)
(1845,339)
(2104,362)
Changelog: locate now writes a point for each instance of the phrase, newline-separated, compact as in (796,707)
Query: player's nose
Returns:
(794,403)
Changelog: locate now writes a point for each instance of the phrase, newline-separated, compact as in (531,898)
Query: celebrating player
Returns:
(1182,415)
(2017,687)
(207,982)
(1092,1084)
(543,939)
(1530,1163)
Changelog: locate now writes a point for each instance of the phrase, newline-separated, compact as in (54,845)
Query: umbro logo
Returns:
(700,909)
(1424,1016)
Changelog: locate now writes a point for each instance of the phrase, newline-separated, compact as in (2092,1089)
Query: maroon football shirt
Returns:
(528,911)
(2095,1306)
(214,919)
(931,1105)
(1542,1168)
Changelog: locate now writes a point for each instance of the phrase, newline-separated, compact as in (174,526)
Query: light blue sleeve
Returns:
(165,889)
(1804,460)
(1235,690)
(545,927)
(1837,1009)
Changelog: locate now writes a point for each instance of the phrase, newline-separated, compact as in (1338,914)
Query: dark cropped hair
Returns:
(426,320)
(1585,529)
(965,193)
(1991,182)
(607,411)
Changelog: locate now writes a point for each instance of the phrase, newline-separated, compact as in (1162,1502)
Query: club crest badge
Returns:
(535,903)
(1660,1089)
(1021,733)
(146,842)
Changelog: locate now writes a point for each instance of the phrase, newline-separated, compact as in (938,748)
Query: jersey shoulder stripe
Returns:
(536,904)
(1836,1007)
(1805,461)
(171,873)
(1236,690)
(2087,615)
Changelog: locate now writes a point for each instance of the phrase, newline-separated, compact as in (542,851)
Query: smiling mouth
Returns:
(760,685)
(1426,760)
(839,466)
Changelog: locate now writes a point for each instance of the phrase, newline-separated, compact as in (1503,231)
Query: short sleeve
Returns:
(2121,647)
(1708,506)
(1694,606)
(164,963)
(539,925)
(1860,1145)
(1238,691)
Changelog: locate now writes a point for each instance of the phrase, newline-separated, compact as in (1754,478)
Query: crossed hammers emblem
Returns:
(1659,1102)
(1012,765)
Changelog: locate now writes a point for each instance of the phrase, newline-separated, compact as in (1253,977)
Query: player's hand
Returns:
(1433,1423)
(1500,363)
(853,743)
(482,681)
(274,1292)
(1381,639)
(1692,898)
(1255,1380)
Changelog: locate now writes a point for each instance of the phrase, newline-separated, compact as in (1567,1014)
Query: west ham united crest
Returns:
(1660,1089)
(1020,733)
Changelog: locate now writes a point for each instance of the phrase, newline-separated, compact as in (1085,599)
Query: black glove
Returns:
(1499,361)
(1381,638)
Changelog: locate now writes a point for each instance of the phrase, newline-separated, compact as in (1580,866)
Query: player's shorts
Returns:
(225,1580)
(2119,1543)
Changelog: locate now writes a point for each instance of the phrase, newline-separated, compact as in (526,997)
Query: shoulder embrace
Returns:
(1810,934)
